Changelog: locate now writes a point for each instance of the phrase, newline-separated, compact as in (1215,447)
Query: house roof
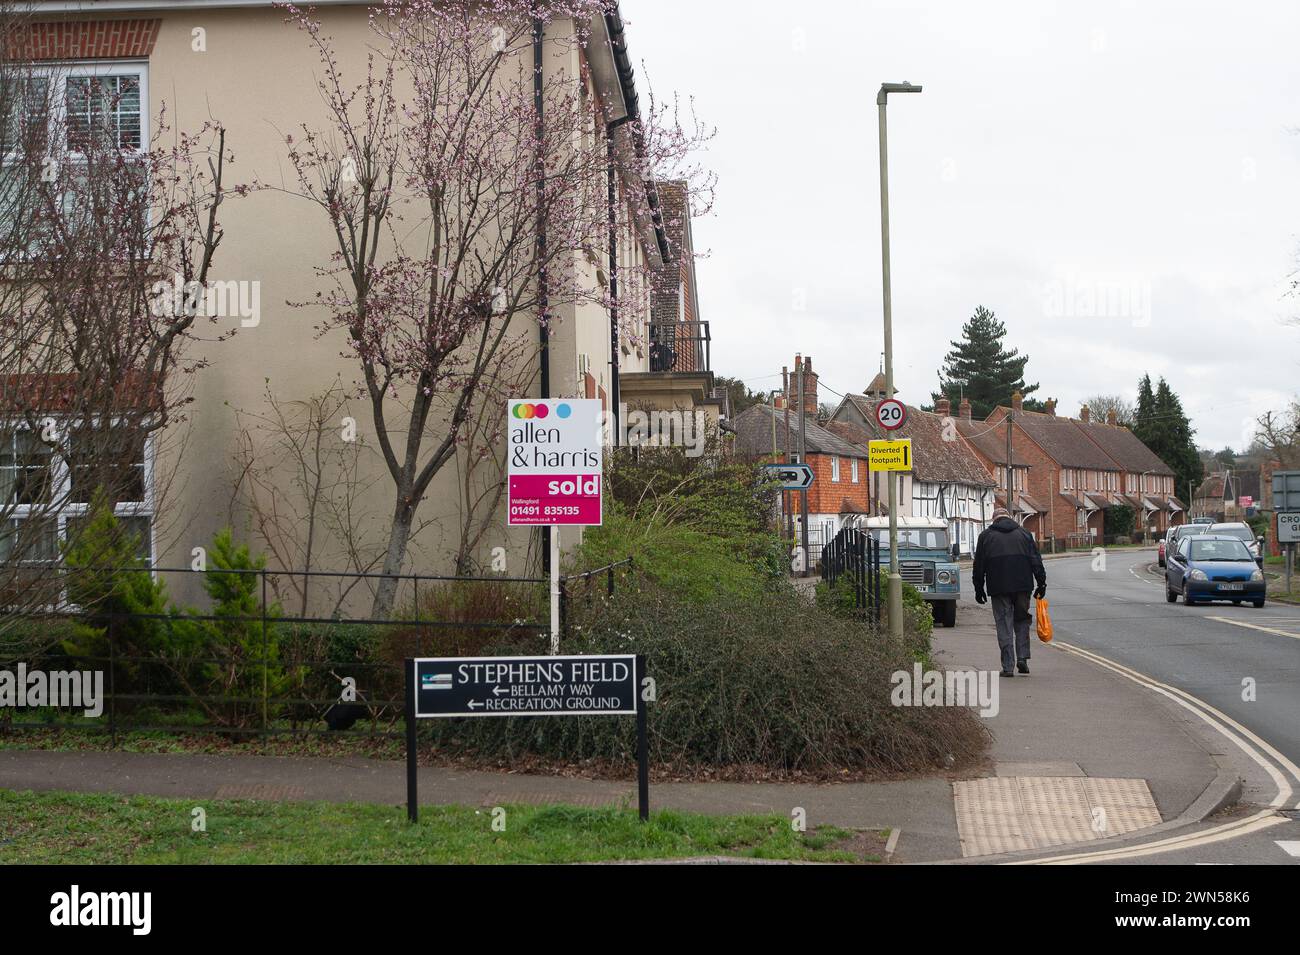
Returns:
(754,434)
(991,441)
(934,459)
(1064,440)
(1213,487)
(1124,447)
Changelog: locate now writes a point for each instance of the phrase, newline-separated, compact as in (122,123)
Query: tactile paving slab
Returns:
(1009,813)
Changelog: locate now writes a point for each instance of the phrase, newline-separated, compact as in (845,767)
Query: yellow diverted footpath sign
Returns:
(891,455)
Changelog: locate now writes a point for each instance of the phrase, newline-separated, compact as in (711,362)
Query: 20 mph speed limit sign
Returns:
(891,414)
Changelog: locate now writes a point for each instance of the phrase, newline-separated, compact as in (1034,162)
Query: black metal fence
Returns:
(583,586)
(264,673)
(852,558)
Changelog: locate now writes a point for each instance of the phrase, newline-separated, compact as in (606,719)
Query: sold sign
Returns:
(554,458)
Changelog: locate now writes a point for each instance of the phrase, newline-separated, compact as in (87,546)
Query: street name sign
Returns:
(891,414)
(526,686)
(1288,527)
(793,477)
(554,456)
(575,685)
(893,455)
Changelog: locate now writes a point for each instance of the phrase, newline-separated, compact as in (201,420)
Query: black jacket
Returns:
(1007,560)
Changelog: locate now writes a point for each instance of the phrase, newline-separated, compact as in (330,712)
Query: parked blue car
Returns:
(1213,567)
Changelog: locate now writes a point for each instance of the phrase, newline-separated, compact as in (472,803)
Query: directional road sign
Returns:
(793,477)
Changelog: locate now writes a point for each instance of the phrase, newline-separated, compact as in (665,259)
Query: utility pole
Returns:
(785,495)
(1011,471)
(895,603)
(803,459)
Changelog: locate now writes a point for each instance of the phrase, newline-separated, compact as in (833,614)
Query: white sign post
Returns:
(554,462)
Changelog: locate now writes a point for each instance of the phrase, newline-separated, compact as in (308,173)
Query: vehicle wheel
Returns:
(1259,604)
(948,615)
(1170,596)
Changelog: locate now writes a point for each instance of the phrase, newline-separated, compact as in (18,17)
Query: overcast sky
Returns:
(1143,157)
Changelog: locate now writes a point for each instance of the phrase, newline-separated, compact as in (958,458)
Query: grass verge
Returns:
(107,829)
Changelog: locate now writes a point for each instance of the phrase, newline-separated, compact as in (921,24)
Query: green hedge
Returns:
(768,682)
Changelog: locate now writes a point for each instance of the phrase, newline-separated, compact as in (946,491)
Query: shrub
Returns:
(240,656)
(686,561)
(918,618)
(105,579)
(694,524)
(768,682)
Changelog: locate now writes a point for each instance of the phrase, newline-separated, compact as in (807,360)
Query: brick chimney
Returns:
(1017,401)
(809,387)
(1084,414)
(1050,406)
(1111,417)
(943,407)
(963,409)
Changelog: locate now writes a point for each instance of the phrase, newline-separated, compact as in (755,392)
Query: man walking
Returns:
(1007,566)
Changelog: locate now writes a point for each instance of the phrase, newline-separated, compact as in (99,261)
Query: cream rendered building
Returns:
(255,74)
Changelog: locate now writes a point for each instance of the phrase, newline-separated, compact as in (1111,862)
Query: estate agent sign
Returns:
(553,461)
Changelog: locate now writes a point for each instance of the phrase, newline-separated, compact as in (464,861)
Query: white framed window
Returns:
(853,466)
(84,97)
(46,495)
(835,468)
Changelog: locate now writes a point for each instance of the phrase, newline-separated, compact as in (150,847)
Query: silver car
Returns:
(1243,532)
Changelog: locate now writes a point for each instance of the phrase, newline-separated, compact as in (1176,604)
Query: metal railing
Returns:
(680,347)
(267,673)
(853,556)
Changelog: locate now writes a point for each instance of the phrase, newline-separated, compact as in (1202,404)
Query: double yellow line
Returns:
(1261,751)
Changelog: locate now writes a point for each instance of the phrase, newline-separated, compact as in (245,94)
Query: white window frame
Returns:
(61,488)
(835,468)
(853,467)
(58,74)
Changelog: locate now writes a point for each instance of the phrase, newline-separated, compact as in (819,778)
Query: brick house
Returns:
(1077,480)
(989,445)
(1146,483)
(947,479)
(840,490)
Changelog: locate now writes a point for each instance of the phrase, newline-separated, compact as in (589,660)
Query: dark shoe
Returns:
(1008,673)
(1023,667)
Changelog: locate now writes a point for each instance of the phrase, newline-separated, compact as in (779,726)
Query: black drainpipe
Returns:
(543,299)
(612,219)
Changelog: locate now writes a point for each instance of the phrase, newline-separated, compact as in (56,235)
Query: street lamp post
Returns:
(895,581)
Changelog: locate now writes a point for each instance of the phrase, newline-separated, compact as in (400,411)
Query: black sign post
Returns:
(469,687)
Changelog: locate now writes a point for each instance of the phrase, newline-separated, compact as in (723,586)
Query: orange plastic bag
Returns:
(1044,621)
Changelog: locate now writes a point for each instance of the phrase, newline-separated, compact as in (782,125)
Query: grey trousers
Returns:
(1011,616)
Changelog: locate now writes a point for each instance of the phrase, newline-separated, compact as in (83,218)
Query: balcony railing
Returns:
(679,347)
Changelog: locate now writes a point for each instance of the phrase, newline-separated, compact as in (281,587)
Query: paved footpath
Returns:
(1069,719)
